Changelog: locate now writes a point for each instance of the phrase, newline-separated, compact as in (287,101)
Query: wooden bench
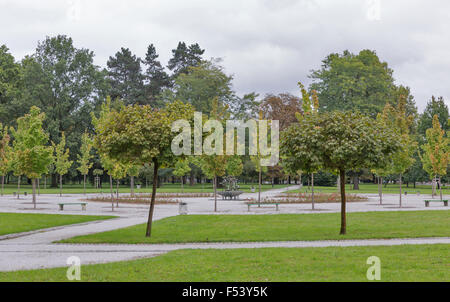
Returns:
(83,205)
(427,201)
(262,203)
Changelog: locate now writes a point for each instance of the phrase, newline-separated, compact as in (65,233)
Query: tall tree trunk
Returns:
(400,181)
(433,187)
(312,190)
(259,185)
(18,186)
(132,185)
(33,182)
(343,203)
(111,191)
(84,184)
(338,183)
(38,187)
(152,202)
(215,193)
(440,188)
(60,185)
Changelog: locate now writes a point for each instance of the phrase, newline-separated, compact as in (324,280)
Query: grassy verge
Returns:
(19,222)
(165,188)
(289,227)
(398,263)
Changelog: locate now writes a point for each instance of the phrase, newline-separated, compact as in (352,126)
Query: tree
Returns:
(434,107)
(62,162)
(126,78)
(10,85)
(65,81)
(184,57)
(146,138)
(339,141)
(181,169)
(202,84)
(282,107)
(84,158)
(156,77)
(436,152)
(353,82)
(32,156)
(5,154)
(398,120)
(133,171)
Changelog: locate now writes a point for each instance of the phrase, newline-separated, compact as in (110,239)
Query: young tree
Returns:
(436,152)
(398,120)
(146,138)
(62,162)
(5,154)
(84,158)
(133,171)
(338,141)
(31,153)
(181,169)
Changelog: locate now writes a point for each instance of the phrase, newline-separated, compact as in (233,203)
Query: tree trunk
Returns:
(33,181)
(343,202)
(84,184)
(3,183)
(191,178)
(300,187)
(259,185)
(111,191)
(18,187)
(182,184)
(215,193)
(440,188)
(312,190)
(60,185)
(132,185)
(355,182)
(152,203)
(38,187)
(117,193)
(380,189)
(400,181)
(433,187)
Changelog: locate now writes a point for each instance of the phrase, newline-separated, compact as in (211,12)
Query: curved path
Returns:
(34,250)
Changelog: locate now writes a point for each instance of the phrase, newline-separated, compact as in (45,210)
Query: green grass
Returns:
(19,222)
(373,188)
(289,227)
(165,188)
(398,263)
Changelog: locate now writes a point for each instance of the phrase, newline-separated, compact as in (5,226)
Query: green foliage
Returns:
(5,151)
(234,166)
(436,151)
(181,168)
(338,141)
(10,85)
(434,107)
(84,159)
(62,162)
(354,82)
(184,57)
(31,155)
(201,85)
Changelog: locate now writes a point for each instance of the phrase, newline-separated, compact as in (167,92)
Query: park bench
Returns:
(15,193)
(62,204)
(262,203)
(427,201)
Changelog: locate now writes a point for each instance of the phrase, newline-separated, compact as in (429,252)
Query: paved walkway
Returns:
(35,249)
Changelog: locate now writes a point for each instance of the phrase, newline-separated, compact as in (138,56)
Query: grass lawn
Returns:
(289,227)
(165,188)
(373,188)
(398,263)
(18,222)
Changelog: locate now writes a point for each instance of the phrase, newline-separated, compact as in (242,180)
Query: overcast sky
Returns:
(268,45)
